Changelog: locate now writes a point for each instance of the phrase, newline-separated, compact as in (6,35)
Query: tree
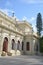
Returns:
(39,24)
(41,44)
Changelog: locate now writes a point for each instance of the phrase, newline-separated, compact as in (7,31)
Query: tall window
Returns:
(22,45)
(13,42)
(28,46)
(18,46)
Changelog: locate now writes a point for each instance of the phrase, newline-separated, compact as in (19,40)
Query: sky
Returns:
(27,9)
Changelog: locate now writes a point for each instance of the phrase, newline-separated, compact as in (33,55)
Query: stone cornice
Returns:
(25,23)
(9,19)
(14,31)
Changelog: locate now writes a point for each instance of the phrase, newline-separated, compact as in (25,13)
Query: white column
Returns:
(1,41)
(21,39)
(1,44)
(16,41)
(9,43)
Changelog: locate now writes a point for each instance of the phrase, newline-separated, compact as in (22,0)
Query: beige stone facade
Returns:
(17,30)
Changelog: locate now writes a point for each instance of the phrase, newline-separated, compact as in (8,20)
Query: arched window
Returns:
(28,46)
(22,45)
(18,48)
(13,42)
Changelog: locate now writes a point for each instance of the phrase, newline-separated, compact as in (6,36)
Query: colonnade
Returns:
(10,35)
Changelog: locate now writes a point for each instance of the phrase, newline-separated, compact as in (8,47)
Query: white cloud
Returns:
(24,18)
(7,11)
(8,8)
(32,20)
(34,28)
(32,1)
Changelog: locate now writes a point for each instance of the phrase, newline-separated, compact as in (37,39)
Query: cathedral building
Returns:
(17,36)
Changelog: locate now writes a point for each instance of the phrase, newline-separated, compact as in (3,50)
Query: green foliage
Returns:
(39,24)
(41,45)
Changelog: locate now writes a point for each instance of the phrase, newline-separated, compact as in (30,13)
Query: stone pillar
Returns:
(1,41)
(1,44)
(9,43)
(32,50)
(24,49)
(3,35)
(16,41)
(34,46)
(21,39)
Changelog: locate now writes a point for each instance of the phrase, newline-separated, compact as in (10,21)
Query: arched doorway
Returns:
(13,44)
(18,45)
(5,44)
